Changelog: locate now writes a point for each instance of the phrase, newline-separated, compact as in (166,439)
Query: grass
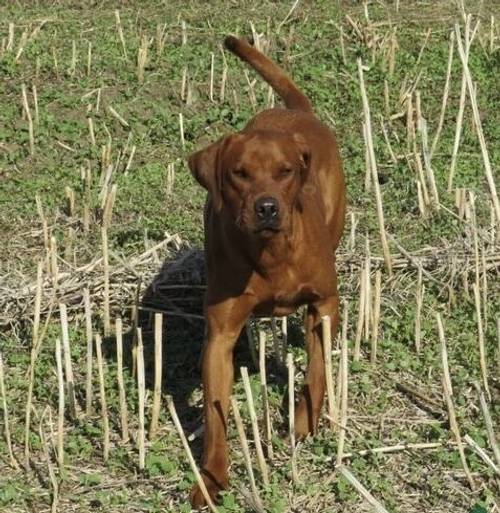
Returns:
(308,46)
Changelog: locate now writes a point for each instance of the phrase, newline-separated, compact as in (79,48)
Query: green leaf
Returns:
(477,508)
(228,501)
(90,479)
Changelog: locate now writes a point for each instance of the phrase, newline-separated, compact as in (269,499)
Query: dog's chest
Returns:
(283,292)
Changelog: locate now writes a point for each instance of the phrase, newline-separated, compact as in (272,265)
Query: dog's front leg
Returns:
(224,323)
(311,401)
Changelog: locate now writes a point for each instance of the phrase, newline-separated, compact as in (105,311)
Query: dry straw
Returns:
(124,277)
(251,343)
(10,39)
(291,415)
(368,170)
(376,315)
(422,128)
(30,120)
(423,182)
(480,339)
(102,394)
(361,312)
(490,430)
(448,394)
(60,412)
(265,396)
(387,107)
(344,380)
(255,427)
(170,178)
(279,355)
(420,197)
(6,423)
(105,265)
(352,233)
(418,314)
(35,347)
(192,463)
(87,185)
(70,199)
(50,468)
(118,116)
(422,48)
(477,120)
(120,32)
(155,414)
(211,87)
(68,365)
(181,130)
(141,386)
(89,58)
(184,32)
(394,160)
(446,93)
(251,90)
(89,337)
(326,326)
(373,166)
(246,451)
(498,344)
(284,337)
(362,490)
(396,448)
(343,337)
(35,104)
(130,160)
(368,291)
(482,454)
(142,59)
(461,107)
(161,38)
(91,131)
(119,377)
(56,65)
(184,81)
(223,80)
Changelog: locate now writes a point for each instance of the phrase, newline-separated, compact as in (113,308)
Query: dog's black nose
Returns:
(266,209)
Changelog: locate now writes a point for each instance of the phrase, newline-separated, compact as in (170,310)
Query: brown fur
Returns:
(267,263)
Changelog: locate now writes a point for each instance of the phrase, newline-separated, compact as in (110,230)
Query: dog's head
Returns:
(256,177)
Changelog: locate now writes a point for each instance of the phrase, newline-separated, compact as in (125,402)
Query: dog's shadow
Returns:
(177,290)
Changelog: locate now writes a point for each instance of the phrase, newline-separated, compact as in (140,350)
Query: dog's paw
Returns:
(305,425)
(214,487)
(302,429)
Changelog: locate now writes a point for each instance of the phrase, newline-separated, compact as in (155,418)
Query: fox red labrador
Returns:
(273,220)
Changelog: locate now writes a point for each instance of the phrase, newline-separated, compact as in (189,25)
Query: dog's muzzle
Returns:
(267,213)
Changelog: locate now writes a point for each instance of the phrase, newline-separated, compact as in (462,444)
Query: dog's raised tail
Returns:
(270,72)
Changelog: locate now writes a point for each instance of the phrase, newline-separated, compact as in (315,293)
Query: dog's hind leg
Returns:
(309,408)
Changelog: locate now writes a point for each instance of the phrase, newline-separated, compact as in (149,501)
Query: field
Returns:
(99,109)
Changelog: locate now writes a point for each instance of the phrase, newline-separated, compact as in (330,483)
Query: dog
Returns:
(273,219)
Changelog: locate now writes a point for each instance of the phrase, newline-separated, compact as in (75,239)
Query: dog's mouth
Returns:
(267,230)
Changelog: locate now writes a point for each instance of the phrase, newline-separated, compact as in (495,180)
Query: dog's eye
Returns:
(286,172)
(241,174)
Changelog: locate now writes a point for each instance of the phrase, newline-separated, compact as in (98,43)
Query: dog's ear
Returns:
(205,166)
(202,165)
(305,155)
